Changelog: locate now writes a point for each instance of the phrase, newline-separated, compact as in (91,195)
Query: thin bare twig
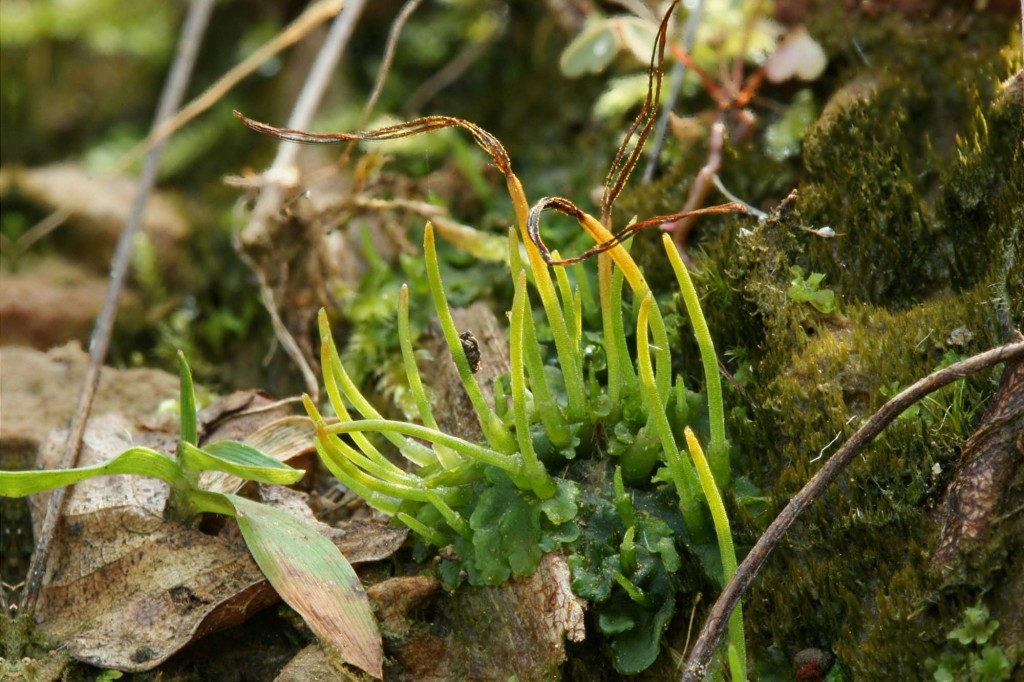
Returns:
(382,74)
(292,33)
(715,625)
(170,99)
(40,230)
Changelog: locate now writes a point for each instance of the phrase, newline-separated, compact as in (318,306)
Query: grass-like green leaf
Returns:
(683,475)
(448,458)
(314,578)
(542,484)
(339,382)
(189,418)
(498,437)
(510,463)
(237,459)
(137,461)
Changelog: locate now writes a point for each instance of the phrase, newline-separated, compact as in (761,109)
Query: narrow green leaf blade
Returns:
(238,459)
(189,418)
(315,579)
(137,461)
(242,460)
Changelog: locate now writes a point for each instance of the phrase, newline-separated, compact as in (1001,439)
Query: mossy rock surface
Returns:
(917,163)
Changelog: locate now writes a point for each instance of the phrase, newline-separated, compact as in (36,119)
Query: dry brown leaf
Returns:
(359,541)
(53,302)
(126,589)
(38,394)
(99,207)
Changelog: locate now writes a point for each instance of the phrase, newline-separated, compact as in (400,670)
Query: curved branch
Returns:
(715,625)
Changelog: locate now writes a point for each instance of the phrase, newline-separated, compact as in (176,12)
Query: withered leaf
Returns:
(126,589)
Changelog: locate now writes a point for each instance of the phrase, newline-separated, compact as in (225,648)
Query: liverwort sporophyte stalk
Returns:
(500,503)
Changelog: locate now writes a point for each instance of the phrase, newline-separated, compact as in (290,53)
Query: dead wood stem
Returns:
(294,32)
(260,235)
(715,625)
(170,99)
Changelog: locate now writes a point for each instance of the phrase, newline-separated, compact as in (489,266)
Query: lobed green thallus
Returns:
(499,502)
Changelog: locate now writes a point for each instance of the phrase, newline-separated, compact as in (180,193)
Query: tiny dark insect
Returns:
(471,347)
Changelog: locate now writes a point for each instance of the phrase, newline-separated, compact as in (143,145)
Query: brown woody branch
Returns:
(715,625)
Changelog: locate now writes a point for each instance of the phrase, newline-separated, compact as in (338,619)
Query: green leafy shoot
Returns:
(808,290)
(976,659)
(976,627)
(181,472)
(306,569)
(138,461)
(737,648)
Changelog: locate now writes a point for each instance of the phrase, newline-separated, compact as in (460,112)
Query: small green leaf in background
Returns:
(637,35)
(807,291)
(992,664)
(591,51)
(314,578)
(891,391)
(976,627)
(782,139)
(600,41)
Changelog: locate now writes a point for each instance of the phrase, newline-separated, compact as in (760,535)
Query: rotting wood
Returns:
(990,457)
